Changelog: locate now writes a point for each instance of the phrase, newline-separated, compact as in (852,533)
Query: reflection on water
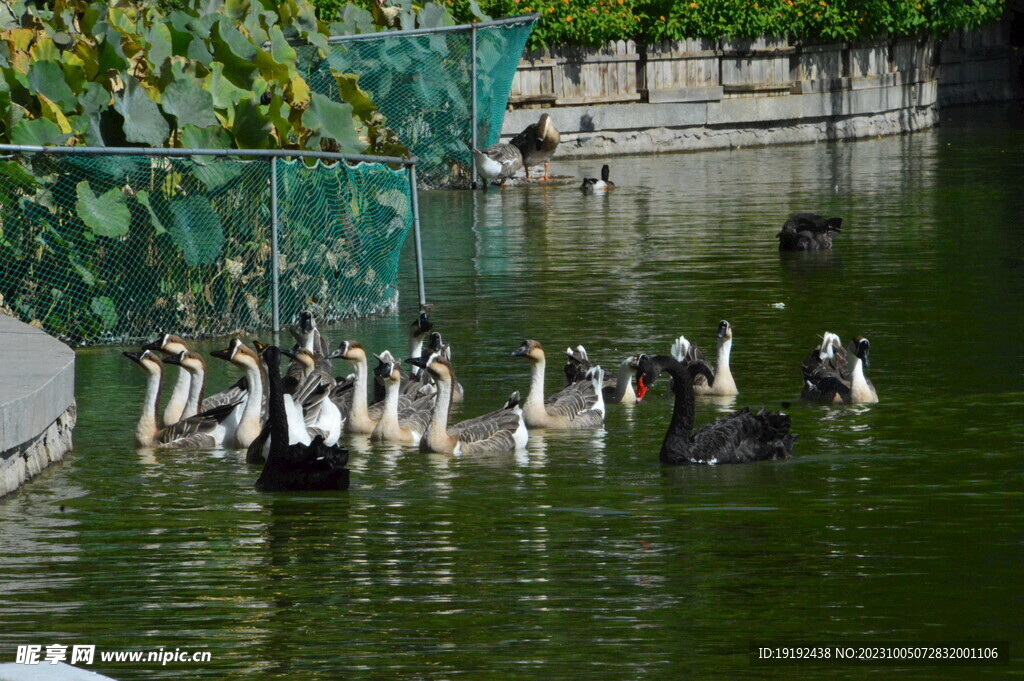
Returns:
(898,521)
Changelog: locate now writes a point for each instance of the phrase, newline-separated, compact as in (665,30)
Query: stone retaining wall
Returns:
(37,402)
(699,94)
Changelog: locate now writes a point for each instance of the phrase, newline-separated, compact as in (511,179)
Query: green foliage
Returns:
(199,73)
(595,22)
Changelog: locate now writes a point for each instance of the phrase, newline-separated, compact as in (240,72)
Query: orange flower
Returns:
(661,18)
(817,16)
(568,19)
(550,10)
(593,10)
(791,3)
(693,5)
(824,4)
(755,6)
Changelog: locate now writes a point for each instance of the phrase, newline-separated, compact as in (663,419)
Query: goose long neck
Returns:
(195,393)
(724,348)
(437,432)
(623,380)
(536,396)
(174,411)
(415,350)
(857,379)
(146,429)
(254,403)
(390,417)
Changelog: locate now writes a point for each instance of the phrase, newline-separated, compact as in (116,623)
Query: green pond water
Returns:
(582,557)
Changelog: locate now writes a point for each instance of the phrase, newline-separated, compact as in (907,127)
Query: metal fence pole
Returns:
(275,291)
(472,53)
(418,247)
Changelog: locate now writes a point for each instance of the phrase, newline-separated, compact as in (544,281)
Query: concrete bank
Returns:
(698,94)
(37,402)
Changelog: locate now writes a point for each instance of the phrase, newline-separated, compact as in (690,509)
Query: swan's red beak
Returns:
(641,389)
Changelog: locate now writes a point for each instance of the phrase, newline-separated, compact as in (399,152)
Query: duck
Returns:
(503,430)
(739,437)
(721,381)
(579,405)
(616,389)
(249,419)
(808,232)
(831,377)
(537,143)
(170,346)
(409,426)
(296,467)
(592,185)
(202,431)
(498,162)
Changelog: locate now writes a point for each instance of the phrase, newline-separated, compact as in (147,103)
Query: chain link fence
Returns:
(108,245)
(431,85)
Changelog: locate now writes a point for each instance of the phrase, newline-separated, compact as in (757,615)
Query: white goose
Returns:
(579,405)
(202,431)
(249,420)
(408,426)
(503,430)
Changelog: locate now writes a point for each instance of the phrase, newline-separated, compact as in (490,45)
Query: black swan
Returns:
(808,232)
(315,466)
(739,437)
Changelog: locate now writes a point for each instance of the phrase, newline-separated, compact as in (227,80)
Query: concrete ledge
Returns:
(37,401)
(749,120)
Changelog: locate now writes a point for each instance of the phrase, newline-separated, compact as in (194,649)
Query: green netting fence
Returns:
(103,246)
(424,81)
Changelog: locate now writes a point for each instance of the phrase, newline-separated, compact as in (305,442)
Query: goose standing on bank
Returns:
(294,467)
(503,430)
(831,377)
(739,437)
(202,431)
(616,389)
(409,426)
(808,232)
(537,144)
(498,162)
(592,185)
(579,405)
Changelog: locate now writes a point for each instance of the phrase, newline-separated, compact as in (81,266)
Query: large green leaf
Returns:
(224,93)
(158,225)
(47,78)
(37,132)
(106,214)
(252,127)
(94,98)
(349,91)
(104,308)
(189,104)
(161,45)
(234,50)
(214,137)
(143,122)
(195,228)
(333,120)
